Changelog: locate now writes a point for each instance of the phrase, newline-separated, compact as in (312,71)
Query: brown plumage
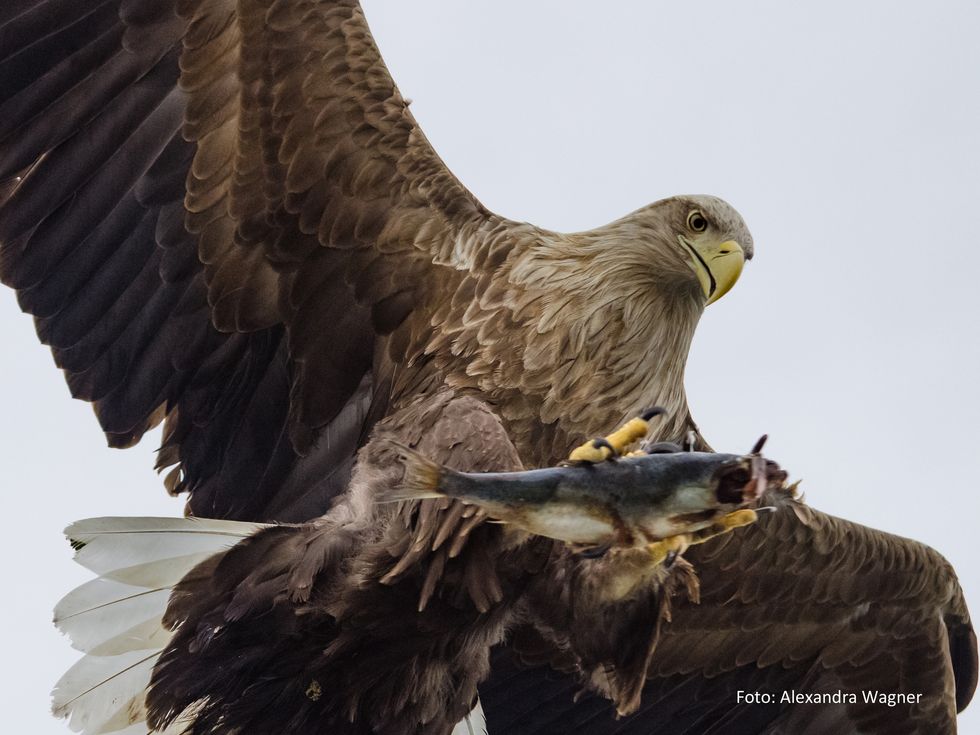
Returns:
(228,220)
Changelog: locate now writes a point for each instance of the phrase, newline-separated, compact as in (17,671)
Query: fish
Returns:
(631,501)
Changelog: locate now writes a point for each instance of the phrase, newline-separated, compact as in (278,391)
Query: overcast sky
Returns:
(847,134)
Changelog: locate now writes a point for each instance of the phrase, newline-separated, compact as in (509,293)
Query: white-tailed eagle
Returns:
(223,217)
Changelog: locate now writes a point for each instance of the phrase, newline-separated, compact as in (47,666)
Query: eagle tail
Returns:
(473,724)
(116,619)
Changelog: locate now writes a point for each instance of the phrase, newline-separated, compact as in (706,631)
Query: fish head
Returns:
(699,487)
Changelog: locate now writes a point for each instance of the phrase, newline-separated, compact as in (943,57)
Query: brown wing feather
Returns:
(221,213)
(92,236)
(800,601)
(872,610)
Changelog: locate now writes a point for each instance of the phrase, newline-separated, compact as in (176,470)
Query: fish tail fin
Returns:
(422,478)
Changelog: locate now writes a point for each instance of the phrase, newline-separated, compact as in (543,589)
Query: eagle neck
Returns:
(631,345)
(604,335)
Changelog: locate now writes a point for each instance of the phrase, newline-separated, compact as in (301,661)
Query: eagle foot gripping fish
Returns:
(661,499)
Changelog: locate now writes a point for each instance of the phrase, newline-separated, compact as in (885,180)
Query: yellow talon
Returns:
(738,518)
(590,453)
(628,433)
(599,450)
(659,550)
(725,524)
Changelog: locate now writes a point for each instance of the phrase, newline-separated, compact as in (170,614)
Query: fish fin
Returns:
(421,479)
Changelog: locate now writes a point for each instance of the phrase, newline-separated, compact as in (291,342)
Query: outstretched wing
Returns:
(801,604)
(219,212)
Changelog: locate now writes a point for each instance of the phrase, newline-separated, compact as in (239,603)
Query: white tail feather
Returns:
(95,690)
(90,527)
(113,622)
(107,545)
(94,594)
(163,573)
(116,619)
(473,724)
(138,729)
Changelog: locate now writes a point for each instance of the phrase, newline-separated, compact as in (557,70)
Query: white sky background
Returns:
(847,134)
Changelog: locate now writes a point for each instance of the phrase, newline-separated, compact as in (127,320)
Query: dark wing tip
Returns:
(963,653)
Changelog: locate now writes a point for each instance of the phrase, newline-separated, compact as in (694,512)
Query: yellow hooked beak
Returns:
(717,265)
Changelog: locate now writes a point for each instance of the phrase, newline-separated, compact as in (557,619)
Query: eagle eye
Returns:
(696,221)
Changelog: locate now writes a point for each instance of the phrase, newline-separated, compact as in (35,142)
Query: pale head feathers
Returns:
(605,319)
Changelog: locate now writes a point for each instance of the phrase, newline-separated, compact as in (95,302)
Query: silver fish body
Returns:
(631,501)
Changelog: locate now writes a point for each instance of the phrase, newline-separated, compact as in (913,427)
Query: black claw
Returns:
(603,442)
(664,448)
(649,413)
(670,559)
(594,552)
(760,443)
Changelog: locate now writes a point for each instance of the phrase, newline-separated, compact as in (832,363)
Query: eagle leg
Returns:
(614,445)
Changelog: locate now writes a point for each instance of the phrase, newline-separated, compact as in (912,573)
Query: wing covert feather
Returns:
(217,211)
